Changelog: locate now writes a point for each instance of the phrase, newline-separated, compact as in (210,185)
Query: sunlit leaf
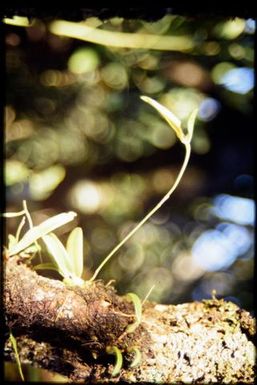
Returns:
(39,231)
(190,124)
(59,254)
(74,248)
(118,359)
(172,120)
(138,312)
(11,241)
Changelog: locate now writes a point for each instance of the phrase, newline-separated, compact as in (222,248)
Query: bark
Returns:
(67,329)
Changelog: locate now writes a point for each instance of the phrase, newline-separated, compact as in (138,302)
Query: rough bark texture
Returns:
(66,330)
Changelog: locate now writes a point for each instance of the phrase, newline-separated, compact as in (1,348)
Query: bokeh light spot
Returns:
(83,60)
(208,109)
(239,80)
(86,197)
(236,209)
(115,76)
(212,252)
(250,26)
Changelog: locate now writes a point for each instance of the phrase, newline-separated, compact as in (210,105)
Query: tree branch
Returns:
(67,329)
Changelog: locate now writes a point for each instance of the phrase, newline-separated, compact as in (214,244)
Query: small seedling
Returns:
(138,312)
(17,358)
(185,139)
(137,356)
(118,359)
(69,260)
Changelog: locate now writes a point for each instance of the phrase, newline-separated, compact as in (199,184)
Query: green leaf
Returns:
(190,124)
(172,120)
(46,266)
(118,359)
(14,345)
(137,358)
(39,231)
(138,312)
(11,241)
(59,254)
(74,249)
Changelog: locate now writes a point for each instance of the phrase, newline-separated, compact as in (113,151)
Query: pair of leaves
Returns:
(176,125)
(69,260)
(119,358)
(173,121)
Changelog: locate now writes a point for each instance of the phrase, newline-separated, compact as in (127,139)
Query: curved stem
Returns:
(164,199)
(26,211)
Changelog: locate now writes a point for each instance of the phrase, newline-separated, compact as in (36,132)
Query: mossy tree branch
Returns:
(67,329)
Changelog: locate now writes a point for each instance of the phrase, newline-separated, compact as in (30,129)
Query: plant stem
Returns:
(162,201)
(26,211)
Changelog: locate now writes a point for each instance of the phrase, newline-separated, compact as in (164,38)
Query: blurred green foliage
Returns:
(77,137)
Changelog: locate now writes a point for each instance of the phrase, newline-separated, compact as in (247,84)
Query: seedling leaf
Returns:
(138,312)
(191,124)
(11,241)
(74,249)
(118,359)
(172,120)
(59,254)
(137,358)
(14,345)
